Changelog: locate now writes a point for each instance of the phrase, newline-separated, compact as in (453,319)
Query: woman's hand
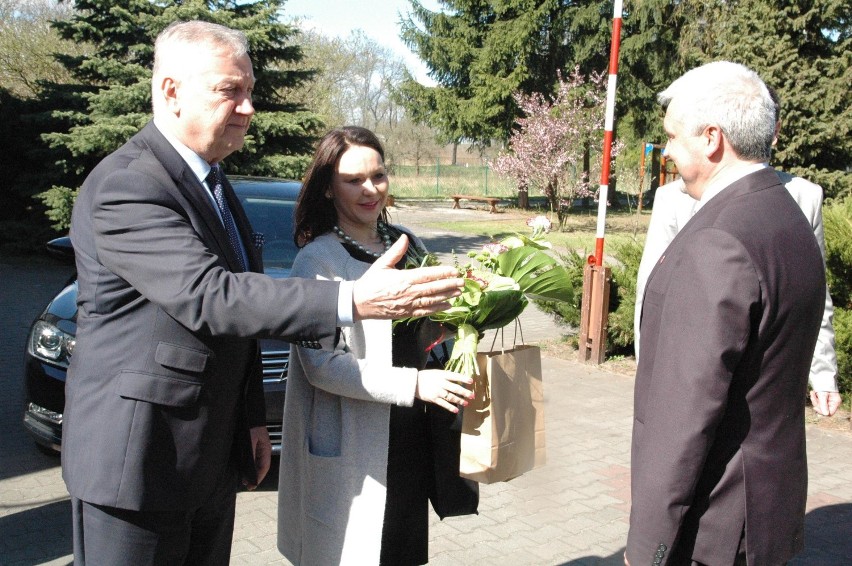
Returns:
(446,389)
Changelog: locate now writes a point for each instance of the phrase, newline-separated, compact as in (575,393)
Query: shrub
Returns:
(843,346)
(568,313)
(837,219)
(622,295)
(628,254)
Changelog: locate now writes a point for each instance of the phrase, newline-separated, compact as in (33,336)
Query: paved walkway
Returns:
(572,511)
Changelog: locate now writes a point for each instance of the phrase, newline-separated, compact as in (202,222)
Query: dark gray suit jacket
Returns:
(165,380)
(729,322)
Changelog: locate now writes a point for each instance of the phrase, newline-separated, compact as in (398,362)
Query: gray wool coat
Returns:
(334,455)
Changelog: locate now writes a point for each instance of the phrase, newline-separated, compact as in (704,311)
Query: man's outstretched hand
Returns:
(385,292)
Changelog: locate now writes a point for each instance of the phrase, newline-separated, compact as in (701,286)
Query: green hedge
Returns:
(837,219)
(843,345)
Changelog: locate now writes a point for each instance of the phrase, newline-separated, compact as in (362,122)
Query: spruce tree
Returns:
(648,57)
(480,54)
(112,99)
(802,49)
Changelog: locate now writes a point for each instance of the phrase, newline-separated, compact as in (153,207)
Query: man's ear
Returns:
(713,138)
(777,131)
(169,91)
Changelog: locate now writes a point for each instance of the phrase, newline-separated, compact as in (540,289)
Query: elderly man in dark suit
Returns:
(165,412)
(729,322)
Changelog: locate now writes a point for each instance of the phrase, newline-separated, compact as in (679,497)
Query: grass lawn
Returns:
(577,234)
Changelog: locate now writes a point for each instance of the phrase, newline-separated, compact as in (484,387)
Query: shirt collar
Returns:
(199,167)
(725,181)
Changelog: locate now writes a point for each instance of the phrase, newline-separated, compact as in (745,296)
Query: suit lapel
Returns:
(194,192)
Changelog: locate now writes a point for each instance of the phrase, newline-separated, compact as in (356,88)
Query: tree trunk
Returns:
(587,168)
(523,198)
(553,199)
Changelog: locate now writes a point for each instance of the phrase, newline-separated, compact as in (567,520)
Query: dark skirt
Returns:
(405,533)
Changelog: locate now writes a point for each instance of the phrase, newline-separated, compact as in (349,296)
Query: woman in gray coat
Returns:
(355,466)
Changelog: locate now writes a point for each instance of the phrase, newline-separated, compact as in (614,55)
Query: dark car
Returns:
(269,204)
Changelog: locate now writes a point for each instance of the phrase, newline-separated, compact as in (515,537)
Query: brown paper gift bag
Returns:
(503,427)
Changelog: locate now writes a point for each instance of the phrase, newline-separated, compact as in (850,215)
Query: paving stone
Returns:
(573,511)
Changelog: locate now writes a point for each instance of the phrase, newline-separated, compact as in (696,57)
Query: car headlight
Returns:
(49,343)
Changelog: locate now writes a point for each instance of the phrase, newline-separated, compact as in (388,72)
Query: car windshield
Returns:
(273,217)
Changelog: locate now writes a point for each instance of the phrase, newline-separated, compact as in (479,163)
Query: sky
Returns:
(378,19)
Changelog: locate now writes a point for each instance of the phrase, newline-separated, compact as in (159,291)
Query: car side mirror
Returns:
(61,249)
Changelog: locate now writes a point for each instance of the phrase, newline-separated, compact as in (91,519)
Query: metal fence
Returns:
(442,180)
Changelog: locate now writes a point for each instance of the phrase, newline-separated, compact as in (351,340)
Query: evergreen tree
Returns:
(23,226)
(648,58)
(480,53)
(802,49)
(112,99)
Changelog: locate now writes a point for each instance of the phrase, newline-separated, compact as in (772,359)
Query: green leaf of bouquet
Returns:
(497,309)
(502,283)
(539,275)
(471,293)
(453,316)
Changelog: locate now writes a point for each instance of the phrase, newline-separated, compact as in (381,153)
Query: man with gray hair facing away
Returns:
(729,322)
(672,210)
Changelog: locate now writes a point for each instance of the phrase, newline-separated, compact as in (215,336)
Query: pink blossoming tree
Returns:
(547,147)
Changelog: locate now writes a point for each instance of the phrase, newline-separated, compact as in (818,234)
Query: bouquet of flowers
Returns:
(497,290)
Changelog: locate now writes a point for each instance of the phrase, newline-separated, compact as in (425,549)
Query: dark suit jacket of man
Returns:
(730,319)
(165,380)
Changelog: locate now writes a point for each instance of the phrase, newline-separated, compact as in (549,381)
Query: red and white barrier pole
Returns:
(608,129)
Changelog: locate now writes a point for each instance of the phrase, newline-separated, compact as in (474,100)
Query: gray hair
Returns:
(730,96)
(196,34)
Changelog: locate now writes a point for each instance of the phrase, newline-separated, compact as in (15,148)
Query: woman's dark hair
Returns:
(315,213)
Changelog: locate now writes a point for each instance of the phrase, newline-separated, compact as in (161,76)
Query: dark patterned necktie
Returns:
(214,181)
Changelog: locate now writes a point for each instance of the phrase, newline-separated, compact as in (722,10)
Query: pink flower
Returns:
(495,248)
(475,277)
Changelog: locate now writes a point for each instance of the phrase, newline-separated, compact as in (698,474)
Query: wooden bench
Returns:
(492,201)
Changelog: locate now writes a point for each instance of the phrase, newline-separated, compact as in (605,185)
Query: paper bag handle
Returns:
(518,327)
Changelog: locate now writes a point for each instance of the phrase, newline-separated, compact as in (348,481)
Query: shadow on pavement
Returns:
(616,559)
(827,536)
(22,534)
(827,541)
(22,456)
